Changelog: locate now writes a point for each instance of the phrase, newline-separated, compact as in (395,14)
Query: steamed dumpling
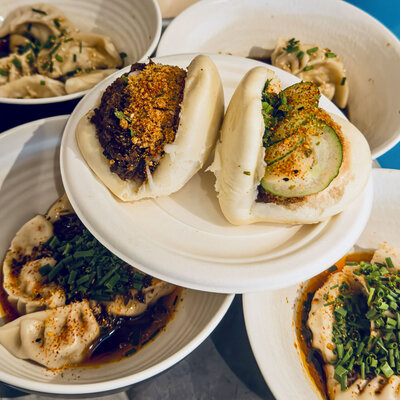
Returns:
(54,338)
(39,24)
(363,389)
(47,51)
(31,87)
(321,318)
(86,81)
(26,288)
(80,52)
(14,67)
(134,307)
(313,63)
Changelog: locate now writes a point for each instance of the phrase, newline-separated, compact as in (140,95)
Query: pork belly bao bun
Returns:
(153,129)
(281,158)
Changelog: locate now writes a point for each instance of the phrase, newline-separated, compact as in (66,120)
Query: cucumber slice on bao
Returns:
(309,168)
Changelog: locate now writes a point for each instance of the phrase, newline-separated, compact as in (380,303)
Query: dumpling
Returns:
(363,389)
(86,81)
(54,338)
(313,63)
(14,67)
(134,307)
(38,20)
(26,288)
(33,86)
(61,207)
(80,52)
(321,318)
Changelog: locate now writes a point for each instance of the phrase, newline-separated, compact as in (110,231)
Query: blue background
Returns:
(388,13)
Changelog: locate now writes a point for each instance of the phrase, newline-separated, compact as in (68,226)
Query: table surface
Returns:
(223,366)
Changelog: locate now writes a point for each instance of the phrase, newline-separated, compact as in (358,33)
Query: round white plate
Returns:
(184,238)
(269,316)
(29,183)
(133,25)
(370,52)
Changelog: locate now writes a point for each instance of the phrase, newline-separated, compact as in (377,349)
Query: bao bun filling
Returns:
(137,116)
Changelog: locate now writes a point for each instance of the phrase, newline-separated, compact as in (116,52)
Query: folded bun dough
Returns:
(200,117)
(239,163)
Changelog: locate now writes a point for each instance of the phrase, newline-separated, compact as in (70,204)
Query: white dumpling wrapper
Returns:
(377,388)
(54,338)
(32,87)
(320,322)
(321,318)
(28,292)
(134,307)
(41,25)
(92,51)
(86,81)
(13,72)
(326,72)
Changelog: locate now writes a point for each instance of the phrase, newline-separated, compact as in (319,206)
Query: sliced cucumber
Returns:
(309,169)
(302,95)
(282,148)
(289,126)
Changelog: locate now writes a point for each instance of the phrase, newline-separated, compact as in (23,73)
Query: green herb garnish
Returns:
(308,68)
(36,10)
(121,115)
(330,55)
(58,58)
(3,72)
(42,83)
(313,50)
(16,62)
(291,46)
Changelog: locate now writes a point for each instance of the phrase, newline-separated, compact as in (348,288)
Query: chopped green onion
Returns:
(387,371)
(16,62)
(330,55)
(45,269)
(58,58)
(389,262)
(308,68)
(42,83)
(313,50)
(36,10)
(300,55)
(3,72)
(56,22)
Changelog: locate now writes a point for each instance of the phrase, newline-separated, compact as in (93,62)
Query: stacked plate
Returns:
(184,238)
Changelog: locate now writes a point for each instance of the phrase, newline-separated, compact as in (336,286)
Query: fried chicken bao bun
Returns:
(239,163)
(200,118)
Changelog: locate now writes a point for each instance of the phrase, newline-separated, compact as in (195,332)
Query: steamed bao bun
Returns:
(201,114)
(239,163)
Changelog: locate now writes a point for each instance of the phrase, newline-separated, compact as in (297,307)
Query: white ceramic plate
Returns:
(370,52)
(184,238)
(269,316)
(29,183)
(133,25)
